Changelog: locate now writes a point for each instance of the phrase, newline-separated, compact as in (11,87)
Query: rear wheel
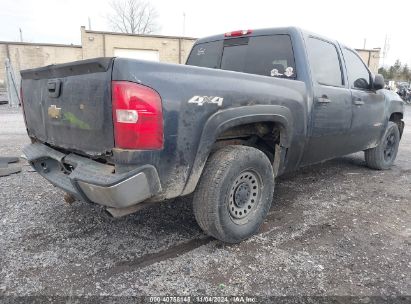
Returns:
(234,193)
(383,156)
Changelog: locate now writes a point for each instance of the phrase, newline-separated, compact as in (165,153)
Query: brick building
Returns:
(24,55)
(171,49)
(371,58)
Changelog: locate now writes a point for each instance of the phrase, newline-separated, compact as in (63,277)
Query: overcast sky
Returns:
(59,21)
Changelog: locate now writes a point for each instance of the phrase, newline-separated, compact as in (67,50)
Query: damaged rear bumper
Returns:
(92,181)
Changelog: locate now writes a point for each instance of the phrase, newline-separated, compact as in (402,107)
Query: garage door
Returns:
(137,54)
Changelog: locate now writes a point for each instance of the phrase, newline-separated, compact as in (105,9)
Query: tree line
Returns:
(133,17)
(397,72)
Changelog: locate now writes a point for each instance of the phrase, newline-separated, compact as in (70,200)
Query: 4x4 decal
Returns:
(200,100)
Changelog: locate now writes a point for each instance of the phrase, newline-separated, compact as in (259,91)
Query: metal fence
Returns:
(13,82)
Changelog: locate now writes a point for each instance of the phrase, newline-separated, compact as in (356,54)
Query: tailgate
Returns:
(69,105)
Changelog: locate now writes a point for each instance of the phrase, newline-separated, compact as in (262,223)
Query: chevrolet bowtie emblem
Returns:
(54,112)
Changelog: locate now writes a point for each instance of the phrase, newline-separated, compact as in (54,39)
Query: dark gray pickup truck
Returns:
(247,107)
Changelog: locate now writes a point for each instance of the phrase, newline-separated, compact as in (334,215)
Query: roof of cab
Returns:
(258,32)
(291,30)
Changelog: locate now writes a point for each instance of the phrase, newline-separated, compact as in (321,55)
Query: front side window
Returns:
(261,55)
(325,62)
(358,74)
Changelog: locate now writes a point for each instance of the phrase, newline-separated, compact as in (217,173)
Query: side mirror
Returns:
(378,82)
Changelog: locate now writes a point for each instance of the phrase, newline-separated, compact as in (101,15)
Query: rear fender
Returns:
(226,119)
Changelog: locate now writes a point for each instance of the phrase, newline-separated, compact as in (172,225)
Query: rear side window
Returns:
(325,62)
(262,55)
(358,74)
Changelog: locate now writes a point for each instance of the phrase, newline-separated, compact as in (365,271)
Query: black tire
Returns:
(383,156)
(234,193)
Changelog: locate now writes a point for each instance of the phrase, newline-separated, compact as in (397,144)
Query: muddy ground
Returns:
(336,228)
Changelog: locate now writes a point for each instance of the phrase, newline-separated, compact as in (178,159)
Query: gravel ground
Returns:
(335,229)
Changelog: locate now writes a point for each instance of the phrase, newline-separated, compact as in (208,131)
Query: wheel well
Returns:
(264,136)
(397,118)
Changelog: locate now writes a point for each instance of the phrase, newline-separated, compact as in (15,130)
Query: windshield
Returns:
(261,55)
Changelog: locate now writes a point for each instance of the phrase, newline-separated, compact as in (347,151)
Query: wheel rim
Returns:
(389,147)
(244,195)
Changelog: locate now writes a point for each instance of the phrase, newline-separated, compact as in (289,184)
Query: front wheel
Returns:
(234,193)
(383,156)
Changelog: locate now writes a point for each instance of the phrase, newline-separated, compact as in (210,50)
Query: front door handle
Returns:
(323,99)
(358,101)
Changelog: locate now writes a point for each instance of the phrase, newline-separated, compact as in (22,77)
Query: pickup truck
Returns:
(246,107)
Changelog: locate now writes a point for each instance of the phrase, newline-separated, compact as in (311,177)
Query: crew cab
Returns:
(247,107)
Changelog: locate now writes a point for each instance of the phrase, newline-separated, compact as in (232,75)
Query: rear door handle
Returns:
(323,99)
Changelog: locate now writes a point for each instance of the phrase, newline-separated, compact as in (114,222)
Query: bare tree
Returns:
(133,17)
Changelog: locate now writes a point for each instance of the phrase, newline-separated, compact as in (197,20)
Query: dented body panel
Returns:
(198,105)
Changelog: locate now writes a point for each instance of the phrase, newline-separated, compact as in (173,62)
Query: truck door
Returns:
(368,106)
(331,111)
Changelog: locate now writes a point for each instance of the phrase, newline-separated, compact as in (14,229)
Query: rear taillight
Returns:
(238,33)
(137,115)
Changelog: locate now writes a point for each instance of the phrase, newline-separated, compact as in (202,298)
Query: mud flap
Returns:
(279,159)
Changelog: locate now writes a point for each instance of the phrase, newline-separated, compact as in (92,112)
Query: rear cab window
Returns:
(207,55)
(270,56)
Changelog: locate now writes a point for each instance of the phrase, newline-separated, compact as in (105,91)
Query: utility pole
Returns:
(365,42)
(21,35)
(184,24)
(385,49)
(89,24)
